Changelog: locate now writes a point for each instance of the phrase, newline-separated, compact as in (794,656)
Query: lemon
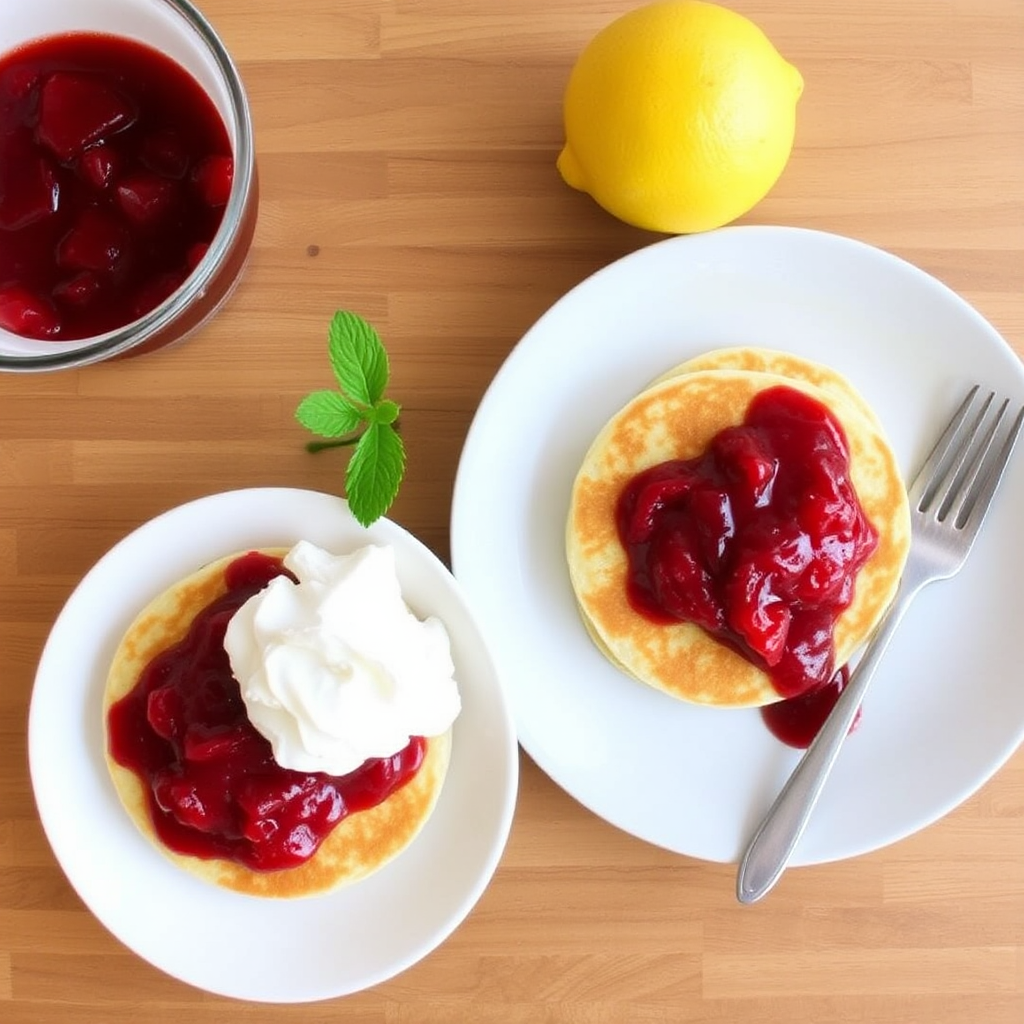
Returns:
(679,116)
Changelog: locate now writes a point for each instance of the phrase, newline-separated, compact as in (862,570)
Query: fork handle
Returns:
(773,843)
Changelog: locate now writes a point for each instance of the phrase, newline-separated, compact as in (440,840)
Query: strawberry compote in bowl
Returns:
(128,192)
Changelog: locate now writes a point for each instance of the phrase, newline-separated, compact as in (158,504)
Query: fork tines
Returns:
(968,460)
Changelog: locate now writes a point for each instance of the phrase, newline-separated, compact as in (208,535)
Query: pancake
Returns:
(785,364)
(359,844)
(676,418)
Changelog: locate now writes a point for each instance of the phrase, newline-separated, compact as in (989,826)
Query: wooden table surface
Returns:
(406,150)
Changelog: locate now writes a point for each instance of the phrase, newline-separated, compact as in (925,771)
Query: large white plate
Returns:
(241,946)
(947,708)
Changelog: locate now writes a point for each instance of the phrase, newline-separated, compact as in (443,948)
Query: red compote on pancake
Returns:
(196,743)
(737,530)
(215,788)
(115,168)
(759,540)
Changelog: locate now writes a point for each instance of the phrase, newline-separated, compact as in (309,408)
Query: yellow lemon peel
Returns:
(679,117)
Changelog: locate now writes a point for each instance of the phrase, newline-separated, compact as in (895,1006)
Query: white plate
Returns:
(947,708)
(230,944)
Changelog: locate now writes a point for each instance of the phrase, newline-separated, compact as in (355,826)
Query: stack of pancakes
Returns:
(359,844)
(676,418)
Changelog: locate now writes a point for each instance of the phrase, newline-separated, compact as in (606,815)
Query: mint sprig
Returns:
(358,415)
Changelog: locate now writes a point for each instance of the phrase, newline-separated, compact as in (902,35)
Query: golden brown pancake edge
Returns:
(359,845)
(785,364)
(676,418)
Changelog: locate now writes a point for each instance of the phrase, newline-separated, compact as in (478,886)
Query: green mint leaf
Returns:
(328,413)
(358,416)
(385,411)
(357,358)
(374,472)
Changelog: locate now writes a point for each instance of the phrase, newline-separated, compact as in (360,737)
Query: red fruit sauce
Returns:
(114,166)
(796,721)
(759,540)
(214,788)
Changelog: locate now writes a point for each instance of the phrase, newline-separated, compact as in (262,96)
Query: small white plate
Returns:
(947,708)
(230,944)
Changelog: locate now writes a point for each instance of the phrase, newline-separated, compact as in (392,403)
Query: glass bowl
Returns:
(178,30)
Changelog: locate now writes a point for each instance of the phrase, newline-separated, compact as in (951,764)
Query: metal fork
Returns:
(948,501)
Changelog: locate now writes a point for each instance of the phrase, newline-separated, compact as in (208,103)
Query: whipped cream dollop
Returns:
(336,668)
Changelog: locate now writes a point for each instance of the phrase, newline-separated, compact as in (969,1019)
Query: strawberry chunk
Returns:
(263,797)
(778,547)
(260,830)
(204,744)
(29,188)
(96,242)
(185,801)
(164,153)
(164,711)
(78,110)
(295,815)
(98,165)
(27,314)
(809,658)
(20,81)
(145,199)
(745,460)
(711,510)
(375,775)
(682,584)
(755,614)
(213,178)
(827,512)
(152,293)
(663,488)
(825,580)
(78,291)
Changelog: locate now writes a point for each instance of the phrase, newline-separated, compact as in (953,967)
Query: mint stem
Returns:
(319,446)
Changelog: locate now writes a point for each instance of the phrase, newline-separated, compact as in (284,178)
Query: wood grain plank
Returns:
(407,164)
